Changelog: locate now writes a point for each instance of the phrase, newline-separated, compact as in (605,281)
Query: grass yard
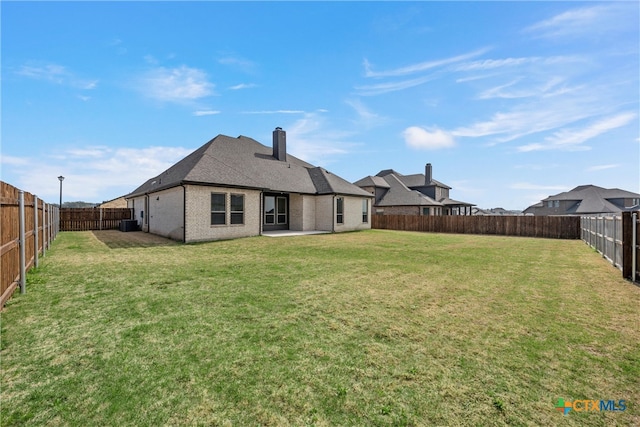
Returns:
(366,328)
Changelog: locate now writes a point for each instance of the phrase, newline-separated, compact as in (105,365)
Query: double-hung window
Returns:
(365,211)
(218,208)
(237,209)
(340,210)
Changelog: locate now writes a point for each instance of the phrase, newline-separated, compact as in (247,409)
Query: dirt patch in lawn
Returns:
(131,239)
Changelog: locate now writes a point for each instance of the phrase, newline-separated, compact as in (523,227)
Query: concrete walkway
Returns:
(286,233)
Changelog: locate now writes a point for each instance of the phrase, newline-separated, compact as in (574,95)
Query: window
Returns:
(275,210)
(340,210)
(425,211)
(556,203)
(237,209)
(218,208)
(365,211)
(282,210)
(269,210)
(550,204)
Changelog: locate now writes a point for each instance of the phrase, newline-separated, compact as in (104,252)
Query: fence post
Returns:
(627,243)
(23,282)
(634,243)
(44,228)
(100,218)
(36,237)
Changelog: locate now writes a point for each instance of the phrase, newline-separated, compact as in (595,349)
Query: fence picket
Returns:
(557,227)
(20,244)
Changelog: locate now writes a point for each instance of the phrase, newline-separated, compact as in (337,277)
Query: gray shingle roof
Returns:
(244,162)
(372,181)
(401,195)
(590,199)
(418,180)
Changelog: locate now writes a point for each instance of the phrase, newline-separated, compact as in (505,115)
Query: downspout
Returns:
(184,213)
(261,213)
(333,214)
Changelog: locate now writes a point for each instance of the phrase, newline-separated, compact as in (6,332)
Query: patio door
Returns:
(276,212)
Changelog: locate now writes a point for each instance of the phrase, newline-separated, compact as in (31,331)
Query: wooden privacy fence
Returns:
(617,238)
(82,219)
(555,227)
(28,225)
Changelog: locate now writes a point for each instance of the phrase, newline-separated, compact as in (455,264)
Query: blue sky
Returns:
(509,101)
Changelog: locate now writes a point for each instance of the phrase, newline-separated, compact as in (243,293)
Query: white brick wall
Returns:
(166,212)
(199,226)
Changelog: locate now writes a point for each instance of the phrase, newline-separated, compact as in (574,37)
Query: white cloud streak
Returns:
(602,167)
(56,74)
(275,112)
(572,139)
(427,139)
(92,173)
(380,88)
(586,21)
(420,67)
(205,113)
(537,187)
(243,86)
(176,84)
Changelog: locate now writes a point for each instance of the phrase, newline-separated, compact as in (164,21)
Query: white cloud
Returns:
(92,173)
(423,139)
(243,86)
(312,139)
(14,161)
(528,186)
(489,64)
(57,74)
(237,62)
(380,88)
(420,67)
(275,112)
(602,167)
(590,21)
(366,117)
(205,112)
(572,139)
(177,84)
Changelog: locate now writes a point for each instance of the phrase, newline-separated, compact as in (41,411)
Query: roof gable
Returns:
(401,195)
(244,162)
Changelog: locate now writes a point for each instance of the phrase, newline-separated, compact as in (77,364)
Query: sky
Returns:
(509,101)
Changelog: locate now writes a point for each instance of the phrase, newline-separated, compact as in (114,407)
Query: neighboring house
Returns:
(237,187)
(495,212)
(418,194)
(586,199)
(119,202)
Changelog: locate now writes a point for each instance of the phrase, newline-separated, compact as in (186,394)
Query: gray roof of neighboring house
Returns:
(582,192)
(372,181)
(450,202)
(415,180)
(591,199)
(399,194)
(245,163)
(418,180)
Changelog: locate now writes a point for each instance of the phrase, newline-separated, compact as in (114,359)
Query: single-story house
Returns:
(587,199)
(417,194)
(236,187)
(118,202)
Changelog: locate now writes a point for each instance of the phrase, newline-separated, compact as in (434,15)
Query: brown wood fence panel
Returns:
(10,235)
(555,227)
(82,219)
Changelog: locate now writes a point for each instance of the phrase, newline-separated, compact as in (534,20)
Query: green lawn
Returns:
(366,328)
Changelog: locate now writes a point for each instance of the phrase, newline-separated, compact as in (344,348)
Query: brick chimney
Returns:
(428,174)
(280,144)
